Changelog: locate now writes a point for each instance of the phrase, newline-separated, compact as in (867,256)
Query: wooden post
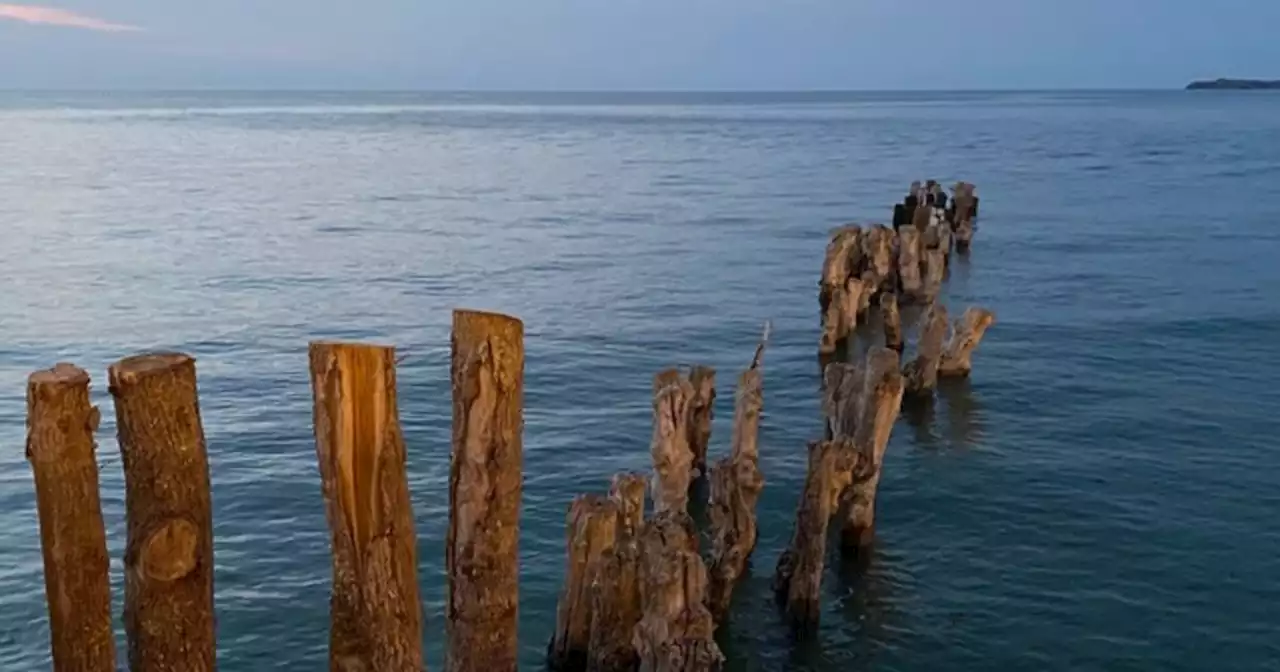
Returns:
(615,606)
(374,610)
(957,356)
(922,372)
(934,263)
(736,483)
(60,446)
(877,250)
(909,263)
(892,321)
(168,558)
(964,235)
(879,403)
(701,415)
(841,383)
(797,581)
(676,632)
(672,458)
(592,529)
(843,257)
(485,483)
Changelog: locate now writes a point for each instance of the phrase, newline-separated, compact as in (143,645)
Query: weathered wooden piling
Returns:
(591,531)
(701,414)
(672,456)
(676,632)
(957,356)
(935,270)
(841,383)
(736,483)
(797,581)
(878,405)
(60,446)
(168,560)
(892,320)
(843,257)
(877,248)
(922,372)
(485,483)
(909,263)
(375,613)
(615,589)
(841,320)
(964,235)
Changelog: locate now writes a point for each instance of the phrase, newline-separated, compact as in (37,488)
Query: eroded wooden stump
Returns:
(797,582)
(60,446)
(736,483)
(485,483)
(922,373)
(909,263)
(615,590)
(957,356)
(892,320)
(676,631)
(672,456)
(168,561)
(592,529)
(878,405)
(375,613)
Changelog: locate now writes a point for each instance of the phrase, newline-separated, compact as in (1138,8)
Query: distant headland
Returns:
(1235,84)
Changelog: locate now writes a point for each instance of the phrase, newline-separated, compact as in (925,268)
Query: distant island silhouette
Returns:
(1235,84)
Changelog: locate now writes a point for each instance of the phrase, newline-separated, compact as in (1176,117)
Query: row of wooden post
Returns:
(376,617)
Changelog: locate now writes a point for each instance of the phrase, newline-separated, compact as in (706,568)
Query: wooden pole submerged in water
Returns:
(591,531)
(922,372)
(797,580)
(892,320)
(375,617)
(957,355)
(736,483)
(485,485)
(878,405)
(60,446)
(676,632)
(615,591)
(168,561)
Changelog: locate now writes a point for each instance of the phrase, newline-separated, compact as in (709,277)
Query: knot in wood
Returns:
(169,553)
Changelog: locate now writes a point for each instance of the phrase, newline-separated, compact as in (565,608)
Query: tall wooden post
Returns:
(676,633)
(60,446)
(168,559)
(375,614)
(615,604)
(922,372)
(485,484)
(892,319)
(672,457)
(966,334)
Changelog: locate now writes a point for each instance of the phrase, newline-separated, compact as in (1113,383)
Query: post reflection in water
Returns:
(965,427)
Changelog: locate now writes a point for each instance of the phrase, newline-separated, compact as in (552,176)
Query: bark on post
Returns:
(892,321)
(935,265)
(672,457)
(676,632)
(797,581)
(701,415)
(60,446)
(877,249)
(592,530)
(375,614)
(736,483)
(843,257)
(168,559)
(879,403)
(957,356)
(615,592)
(922,372)
(485,483)
(842,314)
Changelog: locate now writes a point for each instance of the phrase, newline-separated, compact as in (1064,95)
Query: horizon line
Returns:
(502,90)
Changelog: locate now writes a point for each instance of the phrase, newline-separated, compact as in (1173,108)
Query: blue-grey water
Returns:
(1101,494)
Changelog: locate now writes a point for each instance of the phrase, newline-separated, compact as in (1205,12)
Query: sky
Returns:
(634,44)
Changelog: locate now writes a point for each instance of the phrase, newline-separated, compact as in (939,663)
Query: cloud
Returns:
(52,16)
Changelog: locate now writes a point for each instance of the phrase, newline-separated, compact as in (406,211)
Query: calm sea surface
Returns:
(1102,494)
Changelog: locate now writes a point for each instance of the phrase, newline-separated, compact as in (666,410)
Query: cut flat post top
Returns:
(481,552)
(375,614)
(168,559)
(60,446)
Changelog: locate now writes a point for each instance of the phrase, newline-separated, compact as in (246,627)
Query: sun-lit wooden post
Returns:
(60,445)
(168,559)
(375,613)
(485,484)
